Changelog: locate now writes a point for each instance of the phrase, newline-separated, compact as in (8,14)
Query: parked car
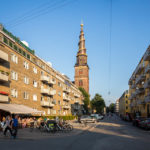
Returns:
(145,124)
(137,120)
(85,119)
(97,116)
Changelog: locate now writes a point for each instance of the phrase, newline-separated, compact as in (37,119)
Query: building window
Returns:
(34,83)
(42,73)
(59,102)
(14,75)
(26,80)
(24,53)
(34,97)
(59,93)
(35,70)
(54,112)
(26,65)
(59,84)
(14,93)
(42,98)
(28,56)
(126,102)
(10,44)
(5,40)
(15,47)
(20,51)
(126,107)
(26,95)
(80,83)
(14,58)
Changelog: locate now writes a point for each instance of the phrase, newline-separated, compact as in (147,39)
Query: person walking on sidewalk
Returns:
(15,126)
(8,125)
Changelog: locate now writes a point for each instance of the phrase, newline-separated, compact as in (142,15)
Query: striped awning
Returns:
(18,109)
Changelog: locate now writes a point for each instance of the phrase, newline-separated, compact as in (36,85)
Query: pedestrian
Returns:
(15,126)
(8,125)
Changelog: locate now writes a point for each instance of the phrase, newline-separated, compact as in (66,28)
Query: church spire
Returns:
(81,44)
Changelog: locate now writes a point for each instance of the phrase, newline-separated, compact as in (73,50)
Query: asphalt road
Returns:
(109,134)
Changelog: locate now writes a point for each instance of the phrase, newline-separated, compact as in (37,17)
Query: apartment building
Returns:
(139,87)
(26,79)
(117,106)
(124,104)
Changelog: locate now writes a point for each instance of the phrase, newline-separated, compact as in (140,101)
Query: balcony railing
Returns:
(76,95)
(3,56)
(67,98)
(147,99)
(146,56)
(147,84)
(46,104)
(140,78)
(4,98)
(139,68)
(139,91)
(133,86)
(52,92)
(66,90)
(51,81)
(3,77)
(45,91)
(44,78)
(66,107)
(147,68)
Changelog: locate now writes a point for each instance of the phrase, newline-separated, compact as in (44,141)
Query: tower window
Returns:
(80,83)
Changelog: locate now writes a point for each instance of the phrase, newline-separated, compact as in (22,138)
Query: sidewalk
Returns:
(26,134)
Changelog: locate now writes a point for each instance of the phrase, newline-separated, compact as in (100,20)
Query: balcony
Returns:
(139,68)
(147,99)
(52,92)
(51,81)
(66,107)
(46,104)
(147,69)
(44,78)
(3,56)
(76,95)
(45,91)
(147,84)
(65,97)
(4,98)
(133,95)
(133,86)
(3,76)
(67,90)
(146,56)
(140,78)
(139,91)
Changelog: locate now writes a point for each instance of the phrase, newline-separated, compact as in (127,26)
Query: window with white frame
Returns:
(35,70)
(14,75)
(54,112)
(35,83)
(34,97)
(48,111)
(26,65)
(26,80)
(14,58)
(42,98)
(14,93)
(26,95)
(59,93)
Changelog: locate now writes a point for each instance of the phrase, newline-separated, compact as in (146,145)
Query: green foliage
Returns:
(112,107)
(98,103)
(86,99)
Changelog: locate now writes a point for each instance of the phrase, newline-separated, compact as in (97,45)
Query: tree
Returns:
(112,107)
(98,103)
(86,99)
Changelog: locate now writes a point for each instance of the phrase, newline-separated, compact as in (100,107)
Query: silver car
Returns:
(86,119)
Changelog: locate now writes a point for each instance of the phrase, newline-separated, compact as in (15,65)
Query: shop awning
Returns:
(18,109)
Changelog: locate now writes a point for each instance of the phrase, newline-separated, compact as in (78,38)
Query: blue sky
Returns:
(53,31)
